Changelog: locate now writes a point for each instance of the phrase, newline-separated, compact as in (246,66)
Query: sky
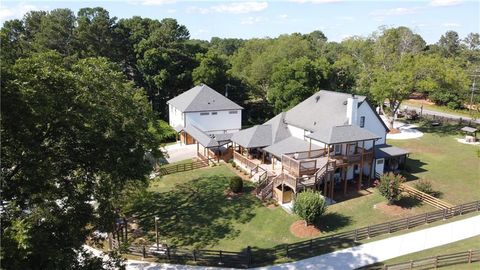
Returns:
(249,19)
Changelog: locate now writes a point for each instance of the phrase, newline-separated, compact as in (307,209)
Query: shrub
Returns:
(309,205)
(425,186)
(236,184)
(233,163)
(389,186)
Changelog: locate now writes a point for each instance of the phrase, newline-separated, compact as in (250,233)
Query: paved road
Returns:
(443,114)
(362,255)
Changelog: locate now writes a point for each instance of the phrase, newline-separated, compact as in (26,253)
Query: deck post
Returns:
(310,148)
(343,174)
(361,168)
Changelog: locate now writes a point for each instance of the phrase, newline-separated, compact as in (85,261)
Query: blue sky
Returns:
(246,19)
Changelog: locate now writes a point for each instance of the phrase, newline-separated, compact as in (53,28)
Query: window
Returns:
(214,113)
(338,149)
(233,112)
(379,161)
(362,121)
(204,113)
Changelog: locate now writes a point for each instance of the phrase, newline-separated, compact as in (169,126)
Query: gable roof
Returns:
(322,109)
(202,98)
(342,134)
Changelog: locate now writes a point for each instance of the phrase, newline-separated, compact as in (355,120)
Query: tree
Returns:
(72,133)
(449,44)
(472,41)
(294,82)
(212,70)
(389,186)
(309,205)
(95,34)
(55,32)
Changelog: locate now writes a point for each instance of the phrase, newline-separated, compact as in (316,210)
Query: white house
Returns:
(204,112)
(328,140)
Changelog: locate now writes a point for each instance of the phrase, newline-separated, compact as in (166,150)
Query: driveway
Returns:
(442,114)
(177,152)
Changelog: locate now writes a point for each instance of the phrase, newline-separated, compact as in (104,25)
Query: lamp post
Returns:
(156,231)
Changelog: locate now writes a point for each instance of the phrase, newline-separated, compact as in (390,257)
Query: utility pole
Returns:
(474,75)
(156,231)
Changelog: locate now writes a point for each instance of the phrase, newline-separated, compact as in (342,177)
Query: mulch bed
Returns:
(299,229)
(394,131)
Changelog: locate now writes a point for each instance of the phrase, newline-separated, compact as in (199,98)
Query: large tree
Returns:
(72,134)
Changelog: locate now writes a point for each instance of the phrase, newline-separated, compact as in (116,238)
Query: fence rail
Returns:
(307,248)
(424,197)
(183,167)
(469,256)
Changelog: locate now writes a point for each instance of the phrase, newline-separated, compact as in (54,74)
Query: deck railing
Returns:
(237,157)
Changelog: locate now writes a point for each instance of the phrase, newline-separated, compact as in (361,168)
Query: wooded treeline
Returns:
(265,75)
(82,95)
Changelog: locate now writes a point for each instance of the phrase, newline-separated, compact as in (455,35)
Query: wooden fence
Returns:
(183,167)
(302,249)
(449,120)
(469,256)
(424,197)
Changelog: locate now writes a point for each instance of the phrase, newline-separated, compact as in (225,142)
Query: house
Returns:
(329,142)
(205,117)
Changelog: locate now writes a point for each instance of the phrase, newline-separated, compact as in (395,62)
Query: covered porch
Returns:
(389,159)
(211,147)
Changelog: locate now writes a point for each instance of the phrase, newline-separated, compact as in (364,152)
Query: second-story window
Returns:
(233,112)
(214,113)
(204,113)
(362,121)
(338,149)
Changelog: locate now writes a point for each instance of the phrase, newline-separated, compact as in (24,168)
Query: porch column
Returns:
(361,168)
(197,148)
(325,182)
(309,147)
(343,175)
(332,185)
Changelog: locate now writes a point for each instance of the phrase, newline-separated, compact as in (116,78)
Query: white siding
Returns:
(175,117)
(221,122)
(296,132)
(372,123)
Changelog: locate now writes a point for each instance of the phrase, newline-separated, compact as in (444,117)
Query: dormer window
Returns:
(362,121)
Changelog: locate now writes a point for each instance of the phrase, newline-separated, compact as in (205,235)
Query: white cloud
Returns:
(283,16)
(394,12)
(172,10)
(346,18)
(445,3)
(16,12)
(315,1)
(451,25)
(232,8)
(152,2)
(252,20)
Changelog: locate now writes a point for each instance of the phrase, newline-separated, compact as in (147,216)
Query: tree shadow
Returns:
(408,202)
(332,222)
(197,213)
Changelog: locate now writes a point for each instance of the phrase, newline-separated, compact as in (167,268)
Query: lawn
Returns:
(452,167)
(194,211)
(460,246)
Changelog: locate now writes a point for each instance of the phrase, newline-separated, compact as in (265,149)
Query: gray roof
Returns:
(204,139)
(256,136)
(202,98)
(274,130)
(279,128)
(289,145)
(342,134)
(469,129)
(386,151)
(222,137)
(322,109)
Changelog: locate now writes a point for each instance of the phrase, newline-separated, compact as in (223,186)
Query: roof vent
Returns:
(345,102)
(317,98)
(314,123)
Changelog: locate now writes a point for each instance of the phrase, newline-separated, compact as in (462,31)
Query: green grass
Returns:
(445,109)
(452,167)
(194,211)
(460,246)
